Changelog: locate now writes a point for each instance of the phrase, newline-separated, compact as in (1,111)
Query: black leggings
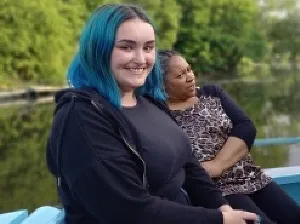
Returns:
(271,203)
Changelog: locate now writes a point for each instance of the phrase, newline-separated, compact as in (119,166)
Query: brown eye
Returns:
(189,69)
(126,48)
(148,48)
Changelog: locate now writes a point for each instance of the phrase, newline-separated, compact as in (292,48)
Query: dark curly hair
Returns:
(164,57)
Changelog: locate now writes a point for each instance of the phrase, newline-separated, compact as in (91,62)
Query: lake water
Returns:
(273,104)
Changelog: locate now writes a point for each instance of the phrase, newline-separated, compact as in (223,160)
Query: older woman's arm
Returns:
(240,138)
(233,151)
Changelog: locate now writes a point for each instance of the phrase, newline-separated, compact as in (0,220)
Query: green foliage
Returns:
(215,35)
(37,39)
(281,20)
(285,34)
(93,4)
(167,18)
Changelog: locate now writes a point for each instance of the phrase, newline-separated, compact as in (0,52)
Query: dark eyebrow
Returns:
(186,68)
(183,70)
(134,42)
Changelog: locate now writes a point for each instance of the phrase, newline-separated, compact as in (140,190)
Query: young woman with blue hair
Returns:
(116,152)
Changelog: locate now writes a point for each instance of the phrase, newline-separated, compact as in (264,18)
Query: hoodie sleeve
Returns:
(199,186)
(243,128)
(104,177)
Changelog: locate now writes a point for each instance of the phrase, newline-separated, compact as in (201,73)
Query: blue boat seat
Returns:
(13,217)
(45,215)
(288,179)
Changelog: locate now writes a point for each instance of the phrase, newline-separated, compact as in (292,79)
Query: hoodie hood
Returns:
(66,95)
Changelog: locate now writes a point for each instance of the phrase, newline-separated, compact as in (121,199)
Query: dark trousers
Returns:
(271,203)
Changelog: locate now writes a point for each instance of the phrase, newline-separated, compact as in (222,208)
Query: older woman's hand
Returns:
(213,168)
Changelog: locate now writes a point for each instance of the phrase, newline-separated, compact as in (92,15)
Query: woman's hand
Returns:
(213,168)
(239,217)
(226,208)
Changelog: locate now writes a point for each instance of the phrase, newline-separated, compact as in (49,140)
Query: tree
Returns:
(38,38)
(285,34)
(281,20)
(215,35)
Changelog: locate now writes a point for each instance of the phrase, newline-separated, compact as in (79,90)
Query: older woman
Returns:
(221,136)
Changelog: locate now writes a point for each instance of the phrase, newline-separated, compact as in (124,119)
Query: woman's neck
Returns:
(128,99)
(181,104)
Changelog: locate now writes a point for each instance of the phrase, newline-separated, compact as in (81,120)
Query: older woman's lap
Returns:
(271,203)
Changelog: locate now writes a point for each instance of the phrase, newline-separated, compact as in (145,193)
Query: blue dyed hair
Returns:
(91,65)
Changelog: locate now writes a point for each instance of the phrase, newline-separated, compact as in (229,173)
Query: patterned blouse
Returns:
(208,124)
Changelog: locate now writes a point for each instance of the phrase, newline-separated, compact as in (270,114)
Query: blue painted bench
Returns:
(287,177)
(42,215)
(16,217)
(289,180)
(45,215)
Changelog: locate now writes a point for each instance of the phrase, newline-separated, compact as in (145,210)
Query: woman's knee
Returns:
(244,202)
(277,205)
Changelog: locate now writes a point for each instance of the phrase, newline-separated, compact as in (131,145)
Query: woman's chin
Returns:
(133,86)
(191,92)
(138,83)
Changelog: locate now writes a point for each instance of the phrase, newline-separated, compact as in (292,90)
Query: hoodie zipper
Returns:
(135,152)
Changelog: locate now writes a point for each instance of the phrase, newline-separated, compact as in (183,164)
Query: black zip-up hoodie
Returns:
(94,152)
